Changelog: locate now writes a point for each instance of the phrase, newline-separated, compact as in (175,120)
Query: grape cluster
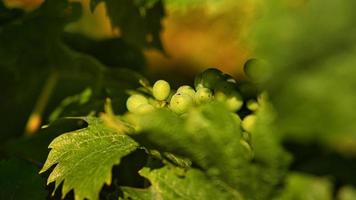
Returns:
(210,85)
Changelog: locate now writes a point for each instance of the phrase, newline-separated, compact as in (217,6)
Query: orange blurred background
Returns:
(195,36)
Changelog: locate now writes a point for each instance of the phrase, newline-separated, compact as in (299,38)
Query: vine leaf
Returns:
(139,21)
(172,183)
(84,158)
(210,136)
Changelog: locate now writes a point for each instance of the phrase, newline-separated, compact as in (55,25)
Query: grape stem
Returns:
(35,119)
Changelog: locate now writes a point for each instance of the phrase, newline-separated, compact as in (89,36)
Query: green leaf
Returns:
(306,187)
(84,158)
(114,85)
(210,136)
(7,15)
(20,180)
(112,52)
(310,47)
(173,183)
(139,21)
(29,50)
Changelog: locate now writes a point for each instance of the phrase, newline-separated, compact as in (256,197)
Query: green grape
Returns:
(155,103)
(211,77)
(144,108)
(224,87)
(208,78)
(234,101)
(252,105)
(161,90)
(248,123)
(180,103)
(203,95)
(225,92)
(256,70)
(186,89)
(135,101)
(229,78)
(249,66)
(198,81)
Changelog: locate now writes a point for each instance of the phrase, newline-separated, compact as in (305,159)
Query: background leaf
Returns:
(311,65)
(138,22)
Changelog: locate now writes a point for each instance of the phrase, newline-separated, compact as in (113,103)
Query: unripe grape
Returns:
(203,95)
(224,87)
(155,103)
(225,92)
(161,90)
(198,81)
(248,123)
(186,89)
(180,103)
(208,78)
(234,101)
(135,101)
(252,105)
(211,77)
(229,78)
(144,108)
(257,70)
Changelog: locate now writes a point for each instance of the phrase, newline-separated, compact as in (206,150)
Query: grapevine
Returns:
(114,100)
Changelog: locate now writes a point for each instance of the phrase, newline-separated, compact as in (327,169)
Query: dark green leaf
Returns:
(29,49)
(138,25)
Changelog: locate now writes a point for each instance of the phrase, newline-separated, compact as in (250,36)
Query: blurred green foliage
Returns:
(210,137)
(310,50)
(173,183)
(302,186)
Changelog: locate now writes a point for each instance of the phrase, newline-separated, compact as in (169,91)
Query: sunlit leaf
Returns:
(84,158)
